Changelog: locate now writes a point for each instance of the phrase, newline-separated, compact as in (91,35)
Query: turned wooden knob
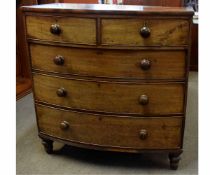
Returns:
(59,60)
(145,31)
(61,92)
(145,64)
(64,125)
(143,134)
(55,29)
(143,100)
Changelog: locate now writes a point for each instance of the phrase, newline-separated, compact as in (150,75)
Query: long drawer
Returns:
(144,133)
(145,32)
(116,97)
(62,29)
(109,63)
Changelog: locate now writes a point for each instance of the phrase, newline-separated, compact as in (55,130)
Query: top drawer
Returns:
(148,32)
(62,29)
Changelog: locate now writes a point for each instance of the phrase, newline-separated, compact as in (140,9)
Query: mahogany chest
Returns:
(110,77)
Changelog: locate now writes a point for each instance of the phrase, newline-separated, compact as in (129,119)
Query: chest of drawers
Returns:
(109,77)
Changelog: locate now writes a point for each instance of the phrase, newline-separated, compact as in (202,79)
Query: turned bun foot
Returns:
(48,145)
(174,159)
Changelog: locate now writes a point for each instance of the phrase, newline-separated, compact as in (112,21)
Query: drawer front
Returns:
(145,133)
(155,32)
(109,63)
(72,30)
(110,97)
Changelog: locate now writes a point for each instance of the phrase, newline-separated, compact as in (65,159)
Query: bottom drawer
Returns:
(109,130)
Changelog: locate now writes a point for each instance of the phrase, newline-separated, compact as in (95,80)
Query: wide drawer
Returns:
(117,97)
(144,64)
(155,32)
(65,29)
(102,130)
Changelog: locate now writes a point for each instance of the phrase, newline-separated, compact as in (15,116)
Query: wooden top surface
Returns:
(108,9)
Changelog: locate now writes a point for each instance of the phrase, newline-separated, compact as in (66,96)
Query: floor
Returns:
(32,159)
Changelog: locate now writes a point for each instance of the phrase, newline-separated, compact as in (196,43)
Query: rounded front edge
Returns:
(106,148)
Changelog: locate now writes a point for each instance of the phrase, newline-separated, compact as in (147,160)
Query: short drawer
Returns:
(62,29)
(145,32)
(103,130)
(144,64)
(116,97)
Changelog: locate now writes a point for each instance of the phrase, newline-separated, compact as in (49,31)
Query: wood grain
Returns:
(163,133)
(109,63)
(74,30)
(110,97)
(98,97)
(126,32)
(23,75)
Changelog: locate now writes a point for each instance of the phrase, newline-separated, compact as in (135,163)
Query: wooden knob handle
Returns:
(143,100)
(145,64)
(61,92)
(59,60)
(55,29)
(145,31)
(64,125)
(143,134)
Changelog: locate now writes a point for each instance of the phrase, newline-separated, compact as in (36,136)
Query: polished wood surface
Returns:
(163,132)
(23,77)
(174,3)
(126,32)
(109,9)
(109,63)
(110,97)
(119,85)
(73,30)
